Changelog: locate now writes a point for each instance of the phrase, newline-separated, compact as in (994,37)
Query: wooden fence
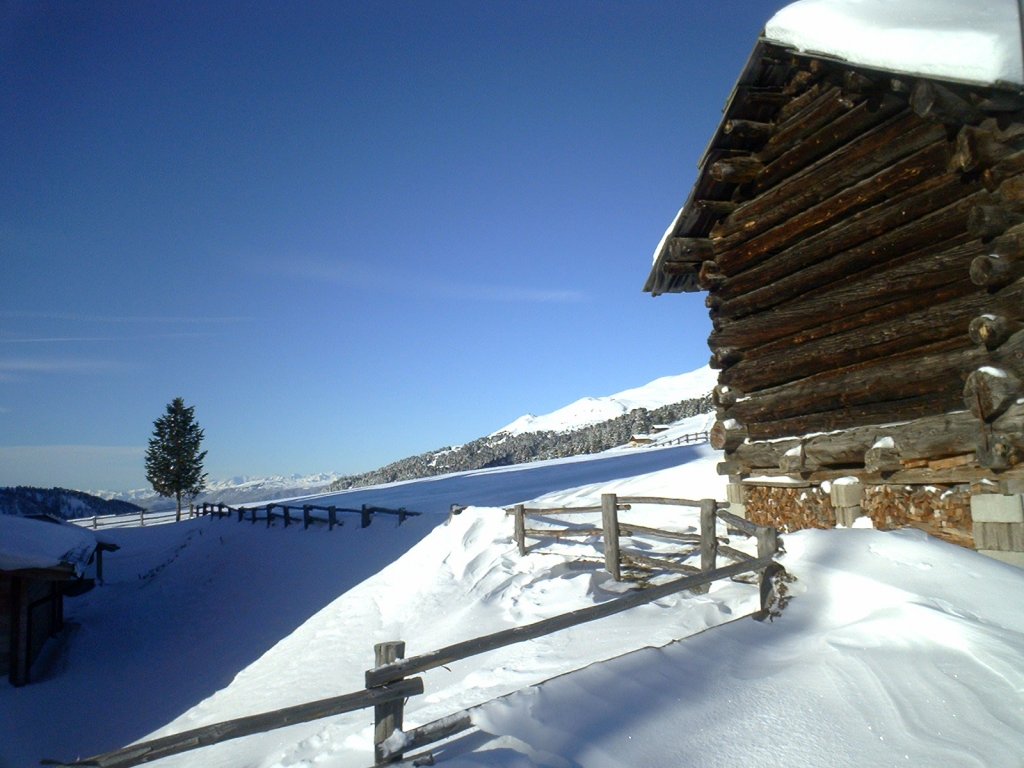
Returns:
(388,684)
(133,520)
(689,439)
(289,513)
(611,530)
(305,513)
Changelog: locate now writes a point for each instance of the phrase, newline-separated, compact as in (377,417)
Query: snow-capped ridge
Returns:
(593,410)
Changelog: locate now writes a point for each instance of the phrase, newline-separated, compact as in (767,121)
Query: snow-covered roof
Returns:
(28,543)
(973,41)
(965,43)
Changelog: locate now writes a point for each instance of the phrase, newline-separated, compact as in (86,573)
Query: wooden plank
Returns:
(658,564)
(890,183)
(631,529)
(465,649)
(708,535)
(432,732)
(520,529)
(147,751)
(658,500)
(388,716)
(562,533)
(737,522)
(857,299)
(873,237)
(894,334)
(610,524)
(872,151)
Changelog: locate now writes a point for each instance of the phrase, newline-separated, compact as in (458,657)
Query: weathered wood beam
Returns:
(885,188)
(833,258)
(977,148)
(859,119)
(727,435)
(739,169)
(864,155)
(716,207)
(989,392)
(940,367)
(691,249)
(897,333)
(748,129)
(932,101)
(990,331)
(857,299)
(855,416)
(931,437)
(793,125)
(988,221)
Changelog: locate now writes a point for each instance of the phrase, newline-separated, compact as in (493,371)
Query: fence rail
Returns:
(689,439)
(309,513)
(388,683)
(141,518)
(708,544)
(289,513)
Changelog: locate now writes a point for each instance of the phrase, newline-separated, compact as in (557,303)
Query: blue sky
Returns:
(345,232)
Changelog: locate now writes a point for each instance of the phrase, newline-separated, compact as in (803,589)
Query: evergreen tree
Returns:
(174,463)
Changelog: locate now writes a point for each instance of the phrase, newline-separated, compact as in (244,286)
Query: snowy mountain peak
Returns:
(593,410)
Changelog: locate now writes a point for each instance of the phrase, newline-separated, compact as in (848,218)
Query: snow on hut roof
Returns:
(28,543)
(972,41)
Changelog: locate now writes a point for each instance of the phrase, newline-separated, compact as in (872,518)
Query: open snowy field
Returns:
(896,649)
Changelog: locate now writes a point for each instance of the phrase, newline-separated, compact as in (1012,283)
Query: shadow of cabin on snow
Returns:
(859,235)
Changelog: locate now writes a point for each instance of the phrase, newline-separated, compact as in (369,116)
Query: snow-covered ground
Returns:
(896,648)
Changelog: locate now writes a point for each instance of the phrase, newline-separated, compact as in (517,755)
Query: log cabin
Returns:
(42,561)
(857,224)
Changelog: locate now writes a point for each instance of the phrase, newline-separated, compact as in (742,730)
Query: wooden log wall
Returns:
(867,269)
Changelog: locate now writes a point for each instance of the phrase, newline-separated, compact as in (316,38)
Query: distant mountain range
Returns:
(589,425)
(60,502)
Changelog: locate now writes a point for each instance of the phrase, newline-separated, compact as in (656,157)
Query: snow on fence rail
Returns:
(306,513)
(388,684)
(688,439)
(611,530)
(134,520)
(309,513)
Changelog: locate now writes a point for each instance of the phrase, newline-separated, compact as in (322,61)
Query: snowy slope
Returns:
(593,410)
(895,649)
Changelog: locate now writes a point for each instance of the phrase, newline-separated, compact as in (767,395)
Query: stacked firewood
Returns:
(790,508)
(942,512)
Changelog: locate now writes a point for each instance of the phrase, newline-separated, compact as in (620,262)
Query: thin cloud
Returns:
(17,368)
(93,339)
(365,277)
(126,319)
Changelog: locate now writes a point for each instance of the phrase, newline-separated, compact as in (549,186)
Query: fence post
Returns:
(142,517)
(708,535)
(520,513)
(767,541)
(305,516)
(610,524)
(94,526)
(365,522)
(287,515)
(332,517)
(387,718)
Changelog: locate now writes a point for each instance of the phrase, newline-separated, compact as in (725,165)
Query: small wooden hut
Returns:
(41,562)
(859,232)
